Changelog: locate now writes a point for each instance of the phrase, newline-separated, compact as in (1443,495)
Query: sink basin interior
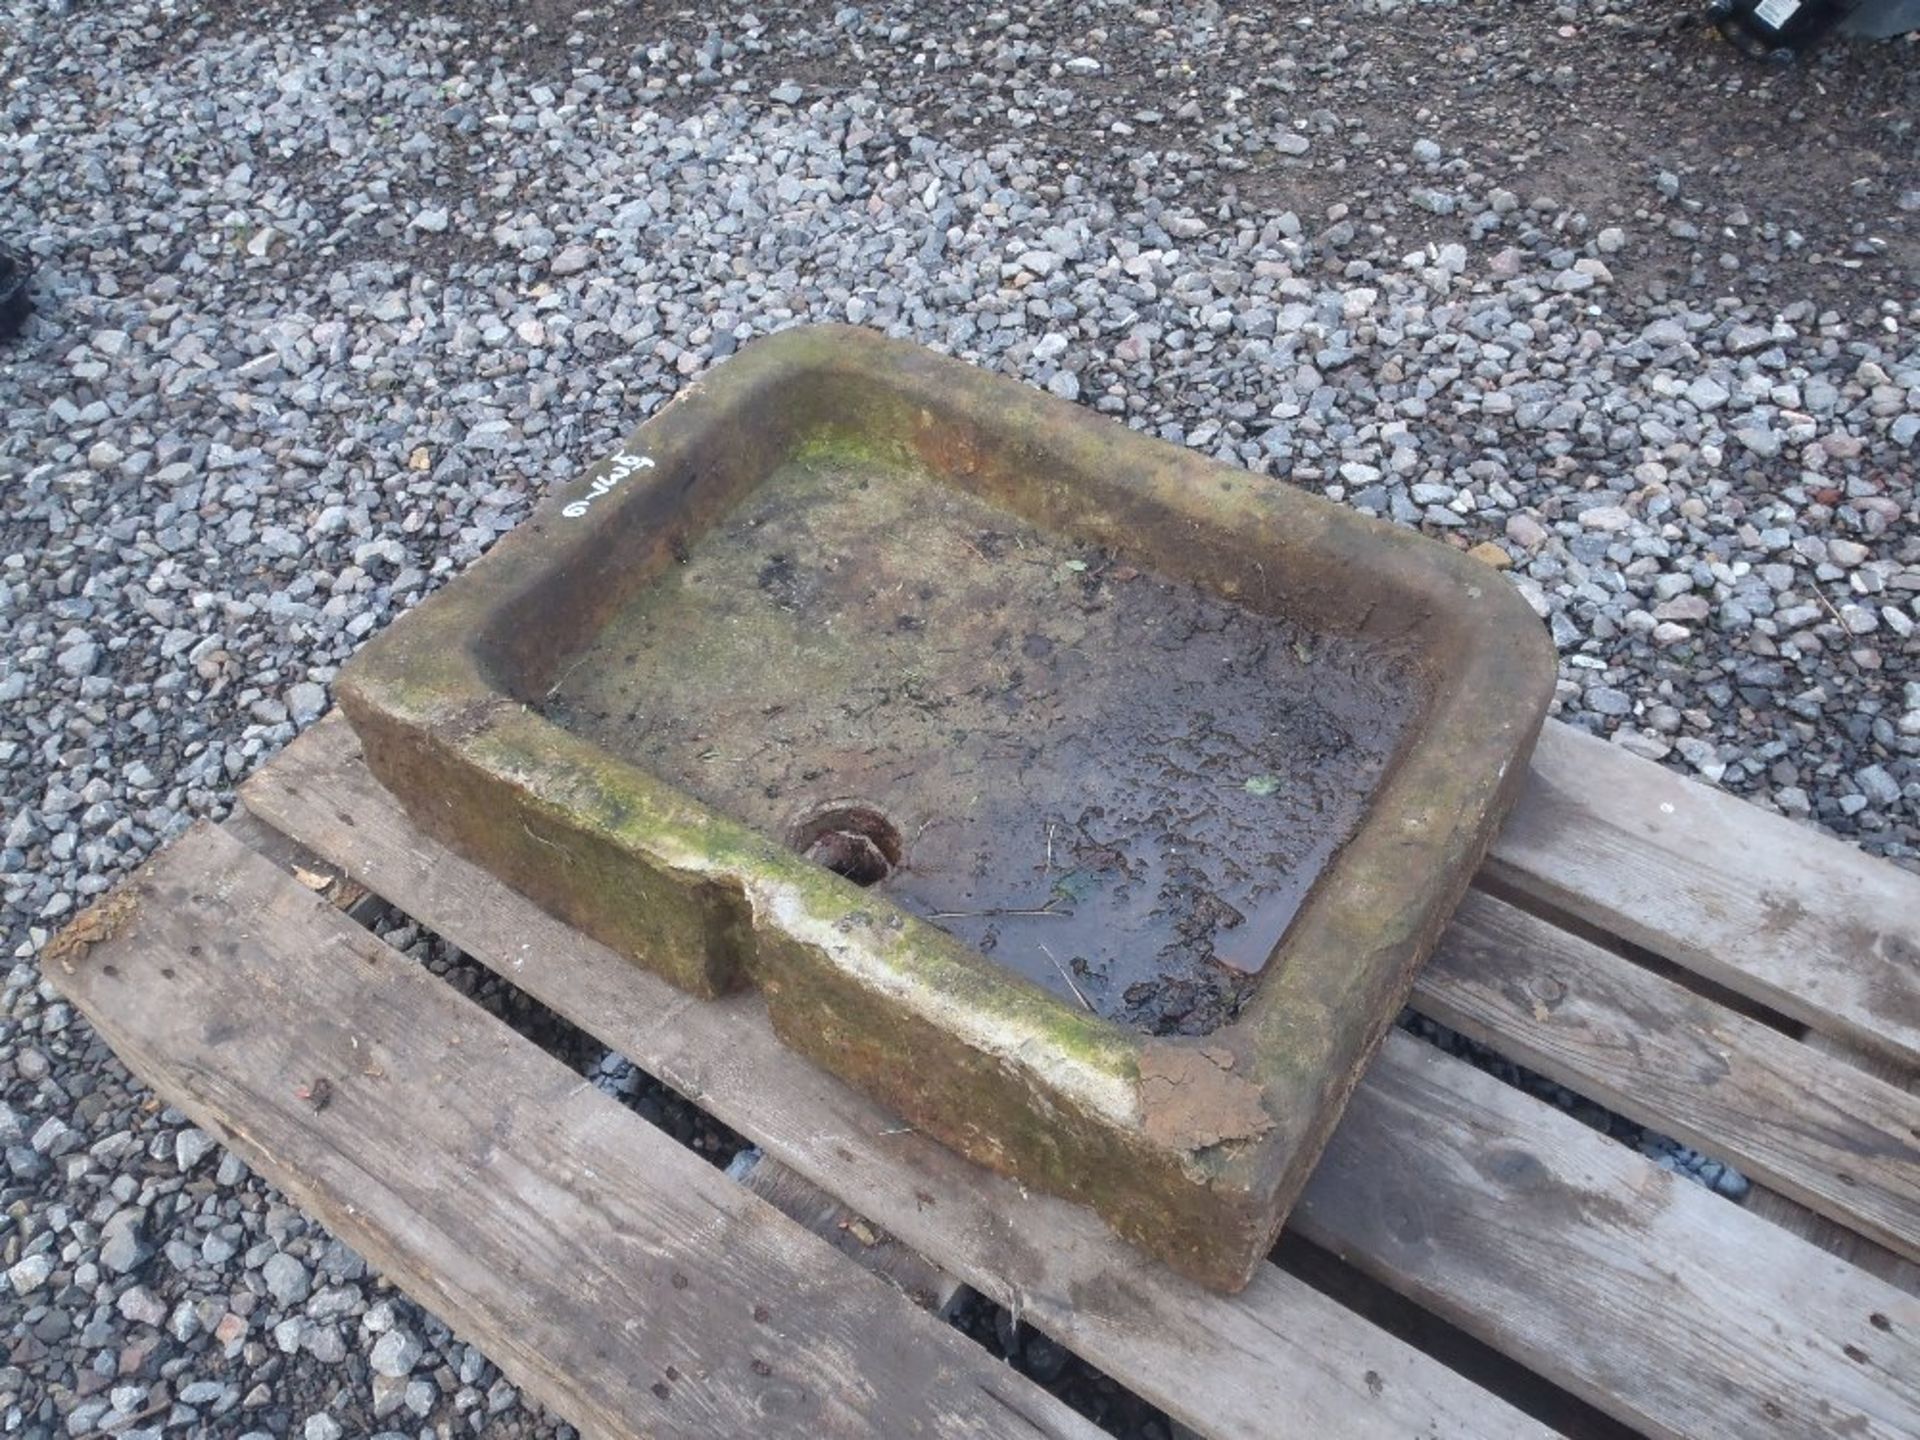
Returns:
(1116,783)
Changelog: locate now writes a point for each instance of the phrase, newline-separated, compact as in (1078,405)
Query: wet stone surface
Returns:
(1116,784)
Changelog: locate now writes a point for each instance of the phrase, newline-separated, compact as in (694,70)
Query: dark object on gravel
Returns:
(1881,19)
(14,304)
(1775,29)
(1778,29)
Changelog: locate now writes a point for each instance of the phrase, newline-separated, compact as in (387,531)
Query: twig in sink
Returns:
(1067,975)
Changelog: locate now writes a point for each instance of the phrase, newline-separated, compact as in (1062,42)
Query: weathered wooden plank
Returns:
(610,1272)
(1225,1366)
(1654,1300)
(1802,923)
(1814,1128)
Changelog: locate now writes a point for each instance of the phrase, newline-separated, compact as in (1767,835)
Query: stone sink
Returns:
(1088,802)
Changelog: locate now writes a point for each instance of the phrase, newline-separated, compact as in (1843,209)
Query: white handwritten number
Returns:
(618,468)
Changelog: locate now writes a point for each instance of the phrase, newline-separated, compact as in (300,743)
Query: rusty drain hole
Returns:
(850,838)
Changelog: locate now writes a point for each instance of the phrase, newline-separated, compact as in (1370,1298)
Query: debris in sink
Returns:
(1117,784)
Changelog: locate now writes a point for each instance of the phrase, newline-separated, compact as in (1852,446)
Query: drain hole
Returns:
(850,839)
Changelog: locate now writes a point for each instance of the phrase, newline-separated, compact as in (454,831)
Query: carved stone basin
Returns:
(1090,803)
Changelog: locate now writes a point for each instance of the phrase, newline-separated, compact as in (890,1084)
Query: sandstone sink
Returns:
(1088,802)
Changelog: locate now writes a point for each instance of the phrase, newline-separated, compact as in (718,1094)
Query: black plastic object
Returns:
(15,271)
(1776,29)
(1882,19)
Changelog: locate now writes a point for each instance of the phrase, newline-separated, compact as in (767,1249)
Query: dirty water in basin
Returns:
(1117,785)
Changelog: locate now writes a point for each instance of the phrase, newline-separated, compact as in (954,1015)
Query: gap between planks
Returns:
(1610,1234)
(612,1273)
(849,1232)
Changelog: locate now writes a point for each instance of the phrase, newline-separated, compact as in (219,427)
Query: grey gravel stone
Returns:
(29,1274)
(1607,518)
(1707,393)
(394,1354)
(1683,608)
(1878,785)
(79,658)
(142,1306)
(190,1147)
(1607,700)
(333,299)
(306,702)
(123,1245)
(286,1279)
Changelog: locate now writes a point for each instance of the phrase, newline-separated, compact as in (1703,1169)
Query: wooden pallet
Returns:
(1487,1266)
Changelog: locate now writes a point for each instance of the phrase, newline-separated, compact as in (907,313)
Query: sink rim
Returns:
(1274,1078)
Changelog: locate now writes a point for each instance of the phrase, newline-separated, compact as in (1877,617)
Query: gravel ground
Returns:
(330,295)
